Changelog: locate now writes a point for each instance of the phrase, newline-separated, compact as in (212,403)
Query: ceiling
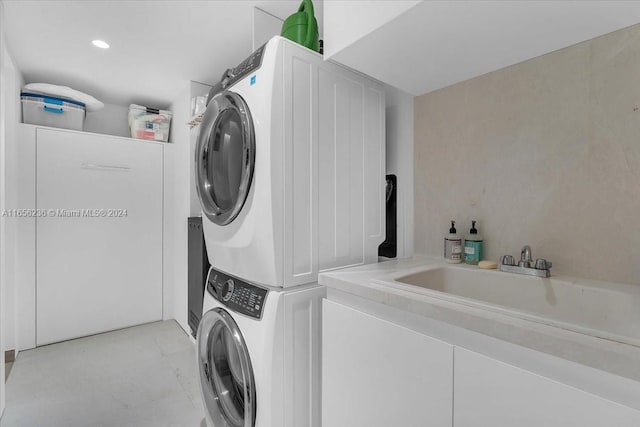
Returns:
(159,46)
(156,46)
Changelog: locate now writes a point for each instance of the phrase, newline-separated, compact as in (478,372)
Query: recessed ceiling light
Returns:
(101,44)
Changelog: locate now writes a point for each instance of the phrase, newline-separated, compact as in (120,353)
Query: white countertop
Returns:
(376,283)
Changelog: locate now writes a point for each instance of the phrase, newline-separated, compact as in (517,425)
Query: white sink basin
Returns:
(606,310)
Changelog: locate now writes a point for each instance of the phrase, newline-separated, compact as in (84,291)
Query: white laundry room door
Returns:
(98,234)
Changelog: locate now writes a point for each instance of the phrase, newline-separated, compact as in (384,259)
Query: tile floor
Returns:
(141,376)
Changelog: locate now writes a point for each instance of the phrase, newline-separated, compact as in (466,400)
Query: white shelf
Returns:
(124,138)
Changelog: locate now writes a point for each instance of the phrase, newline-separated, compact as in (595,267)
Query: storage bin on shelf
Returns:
(149,123)
(46,110)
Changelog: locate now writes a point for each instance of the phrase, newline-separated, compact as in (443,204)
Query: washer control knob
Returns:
(227,290)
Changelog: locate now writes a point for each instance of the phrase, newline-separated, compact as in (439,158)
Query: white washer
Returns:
(271,184)
(259,354)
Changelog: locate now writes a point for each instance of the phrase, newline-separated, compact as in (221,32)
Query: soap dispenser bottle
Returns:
(453,246)
(473,246)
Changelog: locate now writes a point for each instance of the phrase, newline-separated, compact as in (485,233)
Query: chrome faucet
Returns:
(525,257)
(541,267)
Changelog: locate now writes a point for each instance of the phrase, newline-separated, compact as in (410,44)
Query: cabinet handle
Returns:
(105,167)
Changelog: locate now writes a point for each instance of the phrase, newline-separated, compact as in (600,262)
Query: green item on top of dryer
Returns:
(302,27)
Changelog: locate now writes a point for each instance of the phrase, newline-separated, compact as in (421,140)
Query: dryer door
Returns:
(226,376)
(225,157)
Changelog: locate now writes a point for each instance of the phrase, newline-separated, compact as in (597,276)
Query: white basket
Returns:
(51,111)
(149,123)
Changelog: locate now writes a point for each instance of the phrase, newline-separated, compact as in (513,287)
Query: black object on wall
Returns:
(389,248)
(198,264)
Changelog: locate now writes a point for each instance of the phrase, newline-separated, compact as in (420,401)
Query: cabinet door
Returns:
(492,393)
(97,273)
(378,374)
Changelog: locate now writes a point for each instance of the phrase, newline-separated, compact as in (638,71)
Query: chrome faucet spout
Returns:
(525,257)
(541,267)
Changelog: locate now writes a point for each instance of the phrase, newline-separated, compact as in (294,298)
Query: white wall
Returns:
(399,153)
(111,120)
(10,83)
(2,206)
(13,82)
(178,201)
(543,153)
(265,26)
(176,207)
(10,112)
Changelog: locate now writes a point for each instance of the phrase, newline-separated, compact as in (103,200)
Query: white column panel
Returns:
(374,171)
(301,187)
(341,185)
(302,357)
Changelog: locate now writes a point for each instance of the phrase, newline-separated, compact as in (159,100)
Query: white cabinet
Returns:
(421,46)
(378,374)
(492,393)
(346,22)
(97,270)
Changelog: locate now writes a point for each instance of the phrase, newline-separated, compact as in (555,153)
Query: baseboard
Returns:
(9,356)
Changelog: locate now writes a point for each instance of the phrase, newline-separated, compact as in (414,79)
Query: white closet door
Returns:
(96,274)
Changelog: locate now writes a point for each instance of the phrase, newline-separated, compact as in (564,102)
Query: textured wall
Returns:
(546,153)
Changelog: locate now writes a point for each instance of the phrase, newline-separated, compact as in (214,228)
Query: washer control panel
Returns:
(240,296)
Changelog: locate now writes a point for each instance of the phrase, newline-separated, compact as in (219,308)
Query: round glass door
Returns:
(225,157)
(226,375)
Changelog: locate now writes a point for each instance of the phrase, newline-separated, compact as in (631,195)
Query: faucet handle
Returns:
(543,264)
(507,260)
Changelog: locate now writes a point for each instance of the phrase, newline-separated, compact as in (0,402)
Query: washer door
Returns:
(225,157)
(226,375)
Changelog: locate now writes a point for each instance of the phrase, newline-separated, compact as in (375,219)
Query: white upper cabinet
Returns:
(349,21)
(423,46)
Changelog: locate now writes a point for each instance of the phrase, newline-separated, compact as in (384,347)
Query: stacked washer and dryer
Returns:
(290,176)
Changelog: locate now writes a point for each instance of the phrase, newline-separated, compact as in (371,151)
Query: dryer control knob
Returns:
(227,290)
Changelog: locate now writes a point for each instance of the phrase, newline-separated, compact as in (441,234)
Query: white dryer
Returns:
(259,354)
(290,167)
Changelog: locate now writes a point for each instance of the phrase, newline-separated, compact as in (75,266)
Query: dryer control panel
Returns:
(247,66)
(236,294)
